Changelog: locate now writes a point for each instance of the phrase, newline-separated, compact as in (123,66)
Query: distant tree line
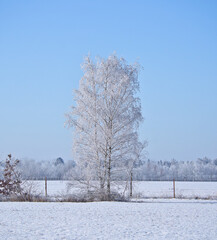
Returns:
(203,169)
(57,169)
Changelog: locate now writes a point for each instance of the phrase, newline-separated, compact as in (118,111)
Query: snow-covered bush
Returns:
(11,182)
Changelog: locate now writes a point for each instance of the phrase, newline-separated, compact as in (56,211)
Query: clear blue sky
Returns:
(43,43)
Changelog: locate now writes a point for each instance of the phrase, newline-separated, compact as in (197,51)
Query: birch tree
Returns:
(105,120)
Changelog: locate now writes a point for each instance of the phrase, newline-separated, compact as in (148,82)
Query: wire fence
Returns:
(142,189)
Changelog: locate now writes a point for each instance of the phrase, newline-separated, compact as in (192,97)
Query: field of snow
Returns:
(182,189)
(153,219)
(146,189)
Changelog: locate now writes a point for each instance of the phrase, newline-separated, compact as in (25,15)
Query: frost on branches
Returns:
(105,120)
(11,182)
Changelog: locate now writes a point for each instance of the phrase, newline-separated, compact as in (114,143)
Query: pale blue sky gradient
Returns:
(43,43)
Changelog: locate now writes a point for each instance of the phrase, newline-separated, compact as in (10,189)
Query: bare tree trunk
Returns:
(131,183)
(109,175)
(45,186)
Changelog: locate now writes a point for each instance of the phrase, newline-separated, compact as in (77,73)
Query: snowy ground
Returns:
(182,189)
(146,189)
(153,219)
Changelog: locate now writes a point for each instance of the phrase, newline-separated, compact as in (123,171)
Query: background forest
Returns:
(203,169)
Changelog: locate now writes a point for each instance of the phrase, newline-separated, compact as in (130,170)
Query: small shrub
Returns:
(11,182)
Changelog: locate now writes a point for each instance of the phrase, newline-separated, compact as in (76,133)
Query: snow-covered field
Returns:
(153,219)
(146,189)
(182,189)
(146,219)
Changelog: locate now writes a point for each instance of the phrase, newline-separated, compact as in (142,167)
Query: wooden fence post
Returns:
(45,186)
(174,189)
